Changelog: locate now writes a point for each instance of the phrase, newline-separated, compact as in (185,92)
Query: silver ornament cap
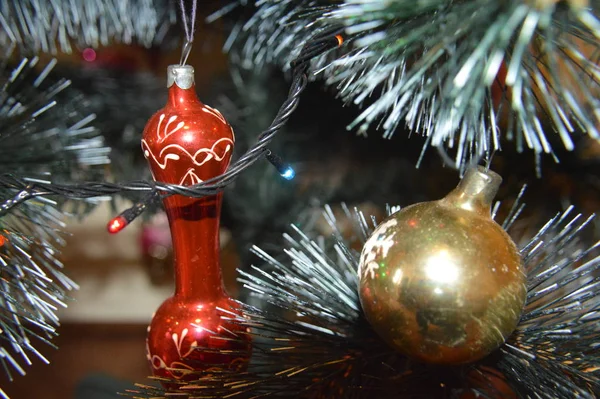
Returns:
(181,75)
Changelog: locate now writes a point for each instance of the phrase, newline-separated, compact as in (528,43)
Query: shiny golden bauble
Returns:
(440,281)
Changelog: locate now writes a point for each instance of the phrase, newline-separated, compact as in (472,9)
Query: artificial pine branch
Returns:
(468,75)
(45,129)
(311,339)
(36,26)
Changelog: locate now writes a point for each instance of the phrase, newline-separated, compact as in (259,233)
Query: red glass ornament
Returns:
(186,143)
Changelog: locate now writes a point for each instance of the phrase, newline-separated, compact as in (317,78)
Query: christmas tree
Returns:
(380,251)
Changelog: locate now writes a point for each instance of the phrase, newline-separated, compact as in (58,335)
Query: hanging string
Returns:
(489,159)
(189,26)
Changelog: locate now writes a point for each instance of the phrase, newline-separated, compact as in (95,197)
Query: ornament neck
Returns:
(182,90)
(183,99)
(476,191)
(194,224)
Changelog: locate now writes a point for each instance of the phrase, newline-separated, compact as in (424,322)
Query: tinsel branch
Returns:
(311,339)
(467,75)
(121,101)
(45,128)
(36,26)
(33,284)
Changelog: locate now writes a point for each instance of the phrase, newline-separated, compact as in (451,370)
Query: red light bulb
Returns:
(116,224)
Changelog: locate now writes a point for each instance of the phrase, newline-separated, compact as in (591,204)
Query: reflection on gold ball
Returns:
(440,281)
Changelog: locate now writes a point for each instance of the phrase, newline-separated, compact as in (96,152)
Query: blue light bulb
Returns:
(285,170)
(288,174)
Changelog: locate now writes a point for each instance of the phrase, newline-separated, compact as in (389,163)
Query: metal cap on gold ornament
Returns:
(440,281)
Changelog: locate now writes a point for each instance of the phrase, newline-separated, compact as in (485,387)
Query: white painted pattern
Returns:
(161,118)
(179,342)
(177,368)
(167,133)
(212,111)
(193,178)
(215,112)
(168,153)
(370,269)
(379,240)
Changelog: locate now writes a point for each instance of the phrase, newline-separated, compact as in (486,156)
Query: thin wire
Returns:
(323,41)
(189,26)
(185,52)
(488,162)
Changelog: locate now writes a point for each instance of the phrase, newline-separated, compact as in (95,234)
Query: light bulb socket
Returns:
(284,169)
(121,221)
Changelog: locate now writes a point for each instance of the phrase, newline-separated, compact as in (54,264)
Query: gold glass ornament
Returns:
(440,281)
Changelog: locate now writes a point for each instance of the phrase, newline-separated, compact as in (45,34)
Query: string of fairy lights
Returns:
(28,188)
